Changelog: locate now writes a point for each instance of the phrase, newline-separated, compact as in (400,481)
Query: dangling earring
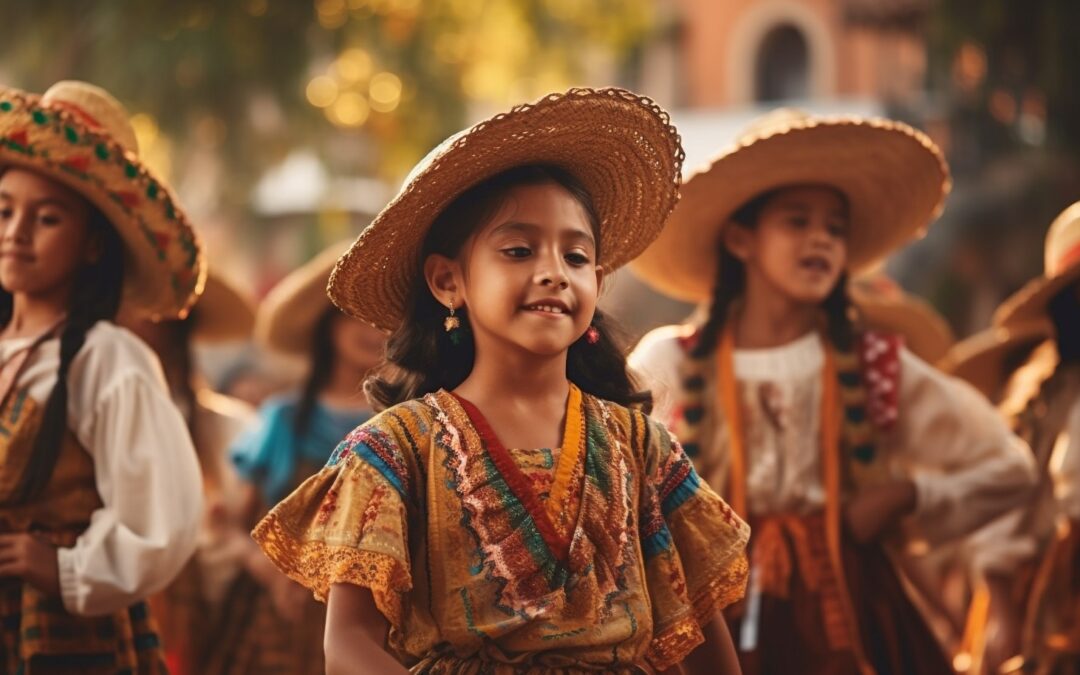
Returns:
(452,324)
(592,336)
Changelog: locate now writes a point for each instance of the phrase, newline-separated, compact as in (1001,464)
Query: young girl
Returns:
(185,610)
(1038,612)
(508,512)
(825,436)
(100,496)
(270,622)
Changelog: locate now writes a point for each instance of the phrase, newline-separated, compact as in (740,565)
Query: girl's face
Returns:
(799,245)
(45,234)
(529,276)
(357,344)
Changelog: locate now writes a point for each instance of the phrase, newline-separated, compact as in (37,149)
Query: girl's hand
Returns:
(30,558)
(876,509)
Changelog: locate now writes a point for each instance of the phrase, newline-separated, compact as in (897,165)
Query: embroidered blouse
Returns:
(145,468)
(965,463)
(618,566)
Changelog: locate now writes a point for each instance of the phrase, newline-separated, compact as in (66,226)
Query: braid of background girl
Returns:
(95,296)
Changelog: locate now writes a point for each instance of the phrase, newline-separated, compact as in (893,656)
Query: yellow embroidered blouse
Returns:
(614,565)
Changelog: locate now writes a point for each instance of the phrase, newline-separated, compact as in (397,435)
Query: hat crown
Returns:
(1063,242)
(775,122)
(94,107)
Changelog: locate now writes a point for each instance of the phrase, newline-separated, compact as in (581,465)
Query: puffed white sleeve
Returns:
(967,466)
(655,363)
(147,475)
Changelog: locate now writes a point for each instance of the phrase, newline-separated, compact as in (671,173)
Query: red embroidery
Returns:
(879,356)
(80,163)
(128,199)
(20,138)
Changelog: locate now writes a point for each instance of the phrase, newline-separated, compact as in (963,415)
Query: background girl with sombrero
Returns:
(100,496)
(270,623)
(1032,356)
(825,435)
(186,610)
(508,512)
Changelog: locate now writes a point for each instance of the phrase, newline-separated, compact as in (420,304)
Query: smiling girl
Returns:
(826,436)
(509,512)
(100,495)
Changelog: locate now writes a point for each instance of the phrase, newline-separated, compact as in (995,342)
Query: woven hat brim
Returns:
(1031,302)
(285,320)
(980,359)
(894,177)
(620,146)
(164,265)
(925,332)
(223,312)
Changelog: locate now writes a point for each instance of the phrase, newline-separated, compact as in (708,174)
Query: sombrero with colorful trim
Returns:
(1062,265)
(285,320)
(79,135)
(894,177)
(884,305)
(621,146)
(986,359)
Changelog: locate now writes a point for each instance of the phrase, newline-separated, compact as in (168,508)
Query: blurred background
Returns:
(287,124)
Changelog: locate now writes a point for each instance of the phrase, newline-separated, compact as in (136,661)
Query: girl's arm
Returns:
(355,634)
(717,655)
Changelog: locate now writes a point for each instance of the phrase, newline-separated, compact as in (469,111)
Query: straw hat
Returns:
(986,359)
(286,318)
(621,146)
(894,177)
(885,306)
(79,135)
(1062,265)
(223,313)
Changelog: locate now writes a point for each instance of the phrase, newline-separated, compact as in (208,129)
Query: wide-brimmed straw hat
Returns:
(1062,269)
(223,313)
(79,135)
(987,359)
(286,318)
(894,177)
(620,146)
(884,305)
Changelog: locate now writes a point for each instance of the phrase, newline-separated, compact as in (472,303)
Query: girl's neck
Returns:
(33,315)
(516,377)
(768,318)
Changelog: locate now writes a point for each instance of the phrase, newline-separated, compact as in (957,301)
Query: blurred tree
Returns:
(371,84)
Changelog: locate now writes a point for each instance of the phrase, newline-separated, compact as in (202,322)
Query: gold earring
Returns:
(452,324)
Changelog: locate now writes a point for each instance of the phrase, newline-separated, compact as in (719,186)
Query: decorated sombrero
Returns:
(986,359)
(223,313)
(894,177)
(1062,268)
(621,146)
(78,134)
(286,318)
(884,305)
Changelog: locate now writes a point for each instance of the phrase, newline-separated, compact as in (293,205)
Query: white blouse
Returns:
(145,469)
(966,465)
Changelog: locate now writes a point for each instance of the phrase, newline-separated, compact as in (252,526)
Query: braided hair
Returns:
(95,297)
(322,358)
(731,284)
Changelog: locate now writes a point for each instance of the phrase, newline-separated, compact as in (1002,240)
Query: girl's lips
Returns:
(816,264)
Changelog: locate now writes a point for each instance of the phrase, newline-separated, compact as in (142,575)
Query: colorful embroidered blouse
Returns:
(615,569)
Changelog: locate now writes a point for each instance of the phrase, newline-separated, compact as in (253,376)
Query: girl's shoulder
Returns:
(110,353)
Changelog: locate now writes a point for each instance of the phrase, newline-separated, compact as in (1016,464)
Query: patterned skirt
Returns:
(40,637)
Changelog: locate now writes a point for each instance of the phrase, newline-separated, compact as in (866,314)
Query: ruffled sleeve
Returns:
(694,548)
(349,522)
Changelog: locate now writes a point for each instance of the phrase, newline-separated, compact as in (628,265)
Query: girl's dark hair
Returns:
(731,283)
(1064,311)
(95,297)
(322,360)
(421,358)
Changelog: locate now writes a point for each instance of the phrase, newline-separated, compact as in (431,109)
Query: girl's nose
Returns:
(18,227)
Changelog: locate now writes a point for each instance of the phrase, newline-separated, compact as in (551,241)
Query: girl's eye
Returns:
(838,230)
(577,259)
(517,251)
(6,213)
(799,221)
(49,219)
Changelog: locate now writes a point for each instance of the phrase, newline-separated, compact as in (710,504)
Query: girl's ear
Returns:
(443,277)
(738,240)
